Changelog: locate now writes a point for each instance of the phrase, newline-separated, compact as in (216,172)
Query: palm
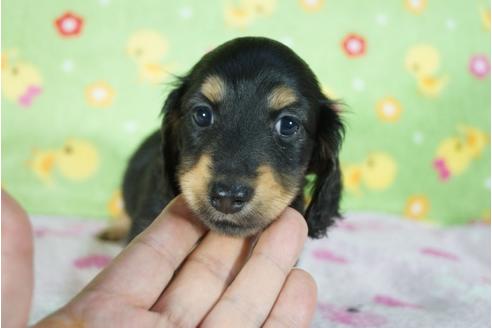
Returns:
(222,282)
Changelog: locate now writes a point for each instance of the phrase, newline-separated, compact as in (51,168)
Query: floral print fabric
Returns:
(83,83)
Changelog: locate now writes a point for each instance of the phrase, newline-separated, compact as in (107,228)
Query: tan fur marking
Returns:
(213,88)
(195,181)
(270,197)
(118,229)
(280,97)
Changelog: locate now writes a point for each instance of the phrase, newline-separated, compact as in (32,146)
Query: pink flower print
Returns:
(32,92)
(392,302)
(69,24)
(439,253)
(479,66)
(354,45)
(97,261)
(72,231)
(442,169)
(326,255)
(350,317)
(346,226)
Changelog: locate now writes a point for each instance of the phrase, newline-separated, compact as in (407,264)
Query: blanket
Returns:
(372,270)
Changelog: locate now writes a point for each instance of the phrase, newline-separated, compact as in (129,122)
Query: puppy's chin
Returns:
(244,223)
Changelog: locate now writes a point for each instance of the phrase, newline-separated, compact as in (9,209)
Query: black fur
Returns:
(242,139)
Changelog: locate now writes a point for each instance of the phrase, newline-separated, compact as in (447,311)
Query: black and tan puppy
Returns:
(240,133)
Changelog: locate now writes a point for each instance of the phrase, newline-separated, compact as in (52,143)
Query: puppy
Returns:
(240,133)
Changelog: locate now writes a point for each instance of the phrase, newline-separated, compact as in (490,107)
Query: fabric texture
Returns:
(372,271)
(83,84)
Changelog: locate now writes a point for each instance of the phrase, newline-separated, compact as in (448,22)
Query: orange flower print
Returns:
(388,110)
(99,94)
(415,6)
(417,207)
(312,5)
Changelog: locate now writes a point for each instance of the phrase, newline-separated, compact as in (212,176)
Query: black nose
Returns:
(229,198)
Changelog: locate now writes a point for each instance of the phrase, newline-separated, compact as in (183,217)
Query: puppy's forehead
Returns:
(278,95)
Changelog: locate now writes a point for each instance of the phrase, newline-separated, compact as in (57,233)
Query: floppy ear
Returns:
(327,189)
(171,142)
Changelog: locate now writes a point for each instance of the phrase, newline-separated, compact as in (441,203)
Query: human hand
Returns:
(163,280)
(17,273)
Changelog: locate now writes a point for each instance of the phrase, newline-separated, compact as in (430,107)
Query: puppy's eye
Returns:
(287,126)
(203,116)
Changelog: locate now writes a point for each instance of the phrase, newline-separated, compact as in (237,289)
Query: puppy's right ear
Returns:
(171,142)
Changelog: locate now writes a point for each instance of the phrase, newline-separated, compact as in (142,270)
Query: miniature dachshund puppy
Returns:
(240,133)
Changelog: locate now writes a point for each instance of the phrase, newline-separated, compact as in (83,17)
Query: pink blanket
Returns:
(372,271)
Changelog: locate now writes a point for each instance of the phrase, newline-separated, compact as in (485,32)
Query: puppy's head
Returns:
(242,130)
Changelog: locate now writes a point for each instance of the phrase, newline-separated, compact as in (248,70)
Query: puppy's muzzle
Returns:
(229,198)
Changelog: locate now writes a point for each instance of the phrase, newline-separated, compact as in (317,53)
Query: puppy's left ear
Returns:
(327,189)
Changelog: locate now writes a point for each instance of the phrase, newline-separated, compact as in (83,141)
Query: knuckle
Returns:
(247,312)
(272,260)
(284,320)
(174,319)
(162,250)
(214,266)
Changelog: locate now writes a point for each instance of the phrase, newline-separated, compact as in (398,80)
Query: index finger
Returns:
(141,271)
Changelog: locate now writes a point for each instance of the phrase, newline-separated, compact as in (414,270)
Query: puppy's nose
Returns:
(229,198)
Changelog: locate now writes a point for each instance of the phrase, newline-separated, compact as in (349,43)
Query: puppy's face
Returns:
(244,126)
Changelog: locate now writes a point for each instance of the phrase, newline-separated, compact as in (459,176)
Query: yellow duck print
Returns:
(376,172)
(455,154)
(260,7)
(475,139)
(423,61)
(243,13)
(485,15)
(352,178)
(42,163)
(147,48)
(453,157)
(76,160)
(21,81)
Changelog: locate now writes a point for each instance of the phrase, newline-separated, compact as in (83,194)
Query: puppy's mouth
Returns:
(243,223)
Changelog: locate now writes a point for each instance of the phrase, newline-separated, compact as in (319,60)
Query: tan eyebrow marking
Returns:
(280,97)
(213,88)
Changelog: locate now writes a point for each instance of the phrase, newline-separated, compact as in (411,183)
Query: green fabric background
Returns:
(457,30)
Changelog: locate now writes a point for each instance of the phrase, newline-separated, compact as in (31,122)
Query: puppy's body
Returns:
(145,190)
(240,133)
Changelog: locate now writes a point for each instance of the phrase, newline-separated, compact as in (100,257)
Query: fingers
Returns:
(202,279)
(296,303)
(17,272)
(252,294)
(140,273)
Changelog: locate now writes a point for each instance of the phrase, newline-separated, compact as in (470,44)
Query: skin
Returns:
(222,281)
(17,265)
